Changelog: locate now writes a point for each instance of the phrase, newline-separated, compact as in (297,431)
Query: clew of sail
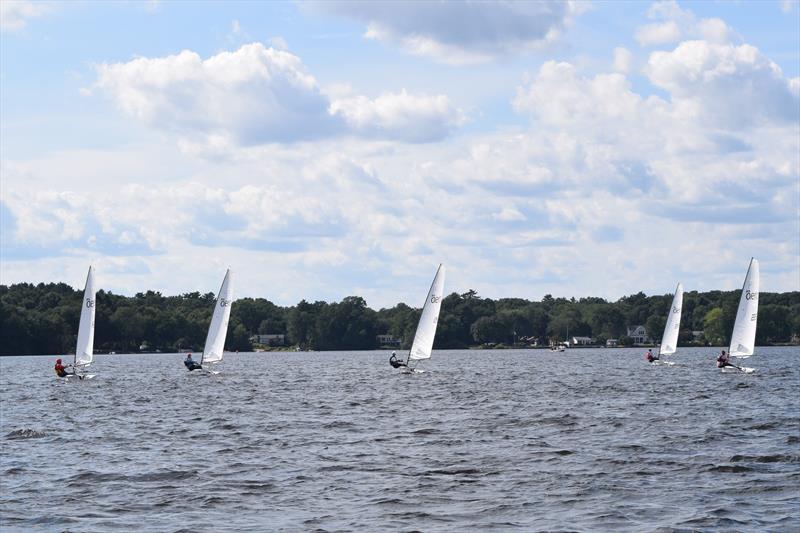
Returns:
(218,330)
(743,338)
(426,329)
(84,350)
(669,342)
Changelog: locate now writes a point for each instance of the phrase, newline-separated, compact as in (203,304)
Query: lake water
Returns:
(584,440)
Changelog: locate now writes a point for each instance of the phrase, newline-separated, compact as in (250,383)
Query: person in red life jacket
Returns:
(61,370)
(650,357)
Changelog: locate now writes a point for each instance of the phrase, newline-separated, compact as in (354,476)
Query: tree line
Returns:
(43,319)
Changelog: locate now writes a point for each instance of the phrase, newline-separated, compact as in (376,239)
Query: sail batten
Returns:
(84,349)
(744,329)
(426,329)
(669,341)
(218,329)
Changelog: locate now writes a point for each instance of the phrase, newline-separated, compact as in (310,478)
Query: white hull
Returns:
(740,370)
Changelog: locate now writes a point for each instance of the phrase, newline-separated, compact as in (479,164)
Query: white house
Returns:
(612,343)
(638,334)
(582,341)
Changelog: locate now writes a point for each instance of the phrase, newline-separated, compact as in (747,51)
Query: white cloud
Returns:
(724,84)
(259,95)
(459,32)
(659,33)
(623,59)
(400,116)
(14,14)
(676,24)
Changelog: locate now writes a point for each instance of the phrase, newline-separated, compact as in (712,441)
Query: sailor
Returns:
(395,362)
(61,371)
(650,357)
(190,363)
(722,360)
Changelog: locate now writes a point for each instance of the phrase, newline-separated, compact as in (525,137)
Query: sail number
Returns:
(676,309)
(751,295)
(224,303)
(435,299)
(89,302)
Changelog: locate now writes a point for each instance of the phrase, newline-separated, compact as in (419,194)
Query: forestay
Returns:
(743,338)
(669,342)
(217,331)
(426,329)
(84,350)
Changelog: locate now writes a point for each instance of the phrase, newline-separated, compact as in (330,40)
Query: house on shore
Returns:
(581,341)
(638,334)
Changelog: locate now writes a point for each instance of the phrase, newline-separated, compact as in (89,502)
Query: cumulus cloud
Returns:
(259,95)
(459,32)
(14,14)
(675,24)
(400,116)
(724,84)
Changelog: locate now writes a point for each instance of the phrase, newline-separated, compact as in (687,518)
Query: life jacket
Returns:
(60,371)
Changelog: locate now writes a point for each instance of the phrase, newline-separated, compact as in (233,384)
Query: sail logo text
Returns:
(89,302)
(676,309)
(751,295)
(435,299)
(753,317)
(224,303)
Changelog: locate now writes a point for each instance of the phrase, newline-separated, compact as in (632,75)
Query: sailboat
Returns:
(669,341)
(218,330)
(743,338)
(426,329)
(84,350)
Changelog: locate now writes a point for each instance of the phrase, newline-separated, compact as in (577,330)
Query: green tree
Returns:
(713,327)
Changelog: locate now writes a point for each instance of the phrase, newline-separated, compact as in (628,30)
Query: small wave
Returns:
(765,426)
(26,433)
(730,469)
(793,439)
(776,458)
(425,431)
(454,472)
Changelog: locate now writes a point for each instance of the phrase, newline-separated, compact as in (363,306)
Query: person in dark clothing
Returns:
(61,370)
(396,363)
(191,364)
(650,357)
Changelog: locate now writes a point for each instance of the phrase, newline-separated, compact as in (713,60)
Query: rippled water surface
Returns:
(585,440)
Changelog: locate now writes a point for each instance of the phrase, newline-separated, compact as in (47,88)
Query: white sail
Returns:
(84,350)
(669,342)
(426,329)
(743,338)
(217,331)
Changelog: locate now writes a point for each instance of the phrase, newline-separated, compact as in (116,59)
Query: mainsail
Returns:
(669,342)
(743,338)
(84,350)
(426,329)
(215,340)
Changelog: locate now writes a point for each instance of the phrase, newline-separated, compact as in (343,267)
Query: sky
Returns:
(336,148)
